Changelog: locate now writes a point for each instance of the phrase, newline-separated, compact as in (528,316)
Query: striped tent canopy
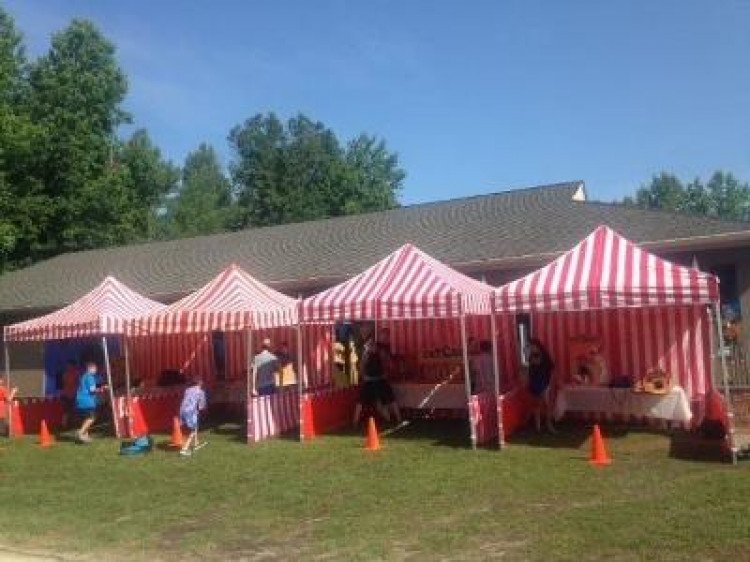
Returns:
(103,311)
(407,284)
(231,301)
(606,271)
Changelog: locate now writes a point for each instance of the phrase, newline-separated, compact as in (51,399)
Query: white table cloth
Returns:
(426,396)
(673,406)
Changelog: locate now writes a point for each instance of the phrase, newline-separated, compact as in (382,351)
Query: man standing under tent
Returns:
(265,369)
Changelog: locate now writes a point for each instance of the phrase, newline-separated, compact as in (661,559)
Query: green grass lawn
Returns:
(424,496)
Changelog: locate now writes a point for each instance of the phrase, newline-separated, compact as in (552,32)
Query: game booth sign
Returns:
(427,311)
(226,317)
(102,315)
(630,333)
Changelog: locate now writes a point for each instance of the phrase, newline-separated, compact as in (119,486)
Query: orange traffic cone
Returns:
(177,440)
(45,438)
(599,455)
(138,424)
(372,443)
(308,424)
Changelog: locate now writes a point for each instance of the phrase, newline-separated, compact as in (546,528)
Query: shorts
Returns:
(376,391)
(266,390)
(69,404)
(87,413)
(189,420)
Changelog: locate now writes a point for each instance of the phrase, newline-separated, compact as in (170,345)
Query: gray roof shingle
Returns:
(515,223)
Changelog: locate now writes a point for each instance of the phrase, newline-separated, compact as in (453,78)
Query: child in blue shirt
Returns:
(87,400)
(193,402)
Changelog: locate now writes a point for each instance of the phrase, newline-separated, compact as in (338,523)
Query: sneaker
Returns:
(185,453)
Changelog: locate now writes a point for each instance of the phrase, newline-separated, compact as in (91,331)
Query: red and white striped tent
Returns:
(103,311)
(231,301)
(407,284)
(647,311)
(409,292)
(607,271)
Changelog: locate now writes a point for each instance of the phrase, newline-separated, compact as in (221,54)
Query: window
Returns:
(728,293)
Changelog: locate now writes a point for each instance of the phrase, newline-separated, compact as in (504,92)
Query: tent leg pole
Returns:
(107,365)
(6,352)
(725,383)
(467,383)
(249,369)
(300,387)
(496,375)
(128,391)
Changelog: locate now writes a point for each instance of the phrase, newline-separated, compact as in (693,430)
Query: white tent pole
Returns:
(725,383)
(300,386)
(249,361)
(128,391)
(496,375)
(109,386)
(467,382)
(10,386)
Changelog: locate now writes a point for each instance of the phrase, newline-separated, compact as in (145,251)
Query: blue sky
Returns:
(475,96)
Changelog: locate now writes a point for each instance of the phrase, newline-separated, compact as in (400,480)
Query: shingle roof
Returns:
(523,222)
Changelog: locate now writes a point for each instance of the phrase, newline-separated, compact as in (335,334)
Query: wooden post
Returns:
(109,386)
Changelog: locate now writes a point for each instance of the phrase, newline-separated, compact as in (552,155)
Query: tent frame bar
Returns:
(110,390)
(731,442)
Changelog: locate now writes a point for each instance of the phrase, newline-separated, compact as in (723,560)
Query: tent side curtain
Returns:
(231,301)
(416,337)
(407,284)
(634,341)
(105,310)
(196,354)
(606,271)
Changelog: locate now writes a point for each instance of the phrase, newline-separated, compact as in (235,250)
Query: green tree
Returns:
(203,203)
(23,207)
(728,198)
(76,93)
(665,192)
(723,196)
(298,170)
(150,179)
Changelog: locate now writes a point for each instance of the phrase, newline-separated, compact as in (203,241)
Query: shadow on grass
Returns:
(692,447)
(568,436)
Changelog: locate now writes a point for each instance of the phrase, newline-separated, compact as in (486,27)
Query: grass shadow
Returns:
(440,433)
(695,448)
(568,436)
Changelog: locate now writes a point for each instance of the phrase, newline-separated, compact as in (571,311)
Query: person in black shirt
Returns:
(376,392)
(541,368)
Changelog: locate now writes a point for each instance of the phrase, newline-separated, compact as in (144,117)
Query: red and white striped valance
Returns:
(232,301)
(406,284)
(606,271)
(105,310)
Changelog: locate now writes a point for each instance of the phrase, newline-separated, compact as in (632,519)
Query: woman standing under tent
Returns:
(541,368)
(376,392)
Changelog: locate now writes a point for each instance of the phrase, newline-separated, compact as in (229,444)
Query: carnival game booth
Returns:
(430,312)
(630,333)
(98,318)
(226,318)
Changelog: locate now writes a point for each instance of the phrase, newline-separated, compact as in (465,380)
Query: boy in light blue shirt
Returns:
(193,402)
(87,400)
